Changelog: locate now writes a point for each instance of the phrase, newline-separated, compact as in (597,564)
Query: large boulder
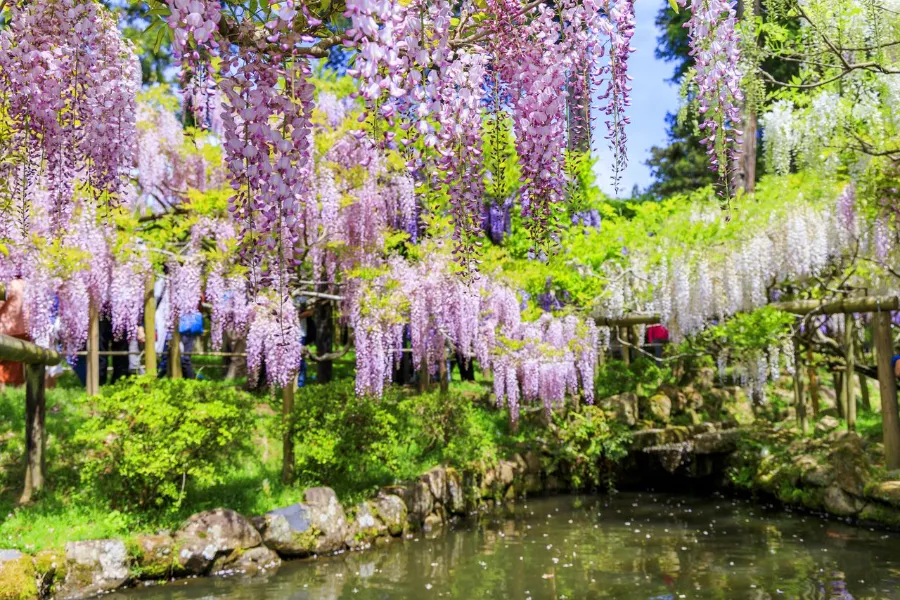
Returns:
(676,396)
(206,535)
(392,511)
(436,479)
(93,567)
(316,526)
(625,407)
(420,504)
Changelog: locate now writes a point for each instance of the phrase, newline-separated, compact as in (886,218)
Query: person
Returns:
(657,335)
(895,362)
(305,314)
(12,323)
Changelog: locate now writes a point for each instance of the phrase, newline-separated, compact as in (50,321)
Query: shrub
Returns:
(342,439)
(586,446)
(149,438)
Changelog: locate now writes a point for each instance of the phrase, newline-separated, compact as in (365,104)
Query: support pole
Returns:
(287,439)
(884,350)
(442,372)
(92,378)
(799,398)
(849,379)
(175,353)
(813,383)
(149,328)
(623,339)
(864,393)
(839,394)
(35,416)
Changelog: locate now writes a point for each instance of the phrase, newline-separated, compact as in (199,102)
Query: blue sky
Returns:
(651,98)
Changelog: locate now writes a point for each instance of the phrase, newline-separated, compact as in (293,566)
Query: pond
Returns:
(628,546)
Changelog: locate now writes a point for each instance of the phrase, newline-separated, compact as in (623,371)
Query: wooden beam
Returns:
(849,379)
(799,397)
(887,383)
(628,320)
(287,439)
(16,350)
(842,306)
(175,353)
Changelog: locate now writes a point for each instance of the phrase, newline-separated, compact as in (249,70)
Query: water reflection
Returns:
(629,546)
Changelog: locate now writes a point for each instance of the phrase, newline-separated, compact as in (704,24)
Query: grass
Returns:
(67,510)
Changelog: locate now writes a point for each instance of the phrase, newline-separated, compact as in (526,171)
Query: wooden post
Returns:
(839,393)
(424,376)
(175,353)
(849,378)
(287,439)
(884,350)
(799,398)
(92,378)
(149,328)
(442,372)
(35,414)
(623,339)
(813,383)
(864,393)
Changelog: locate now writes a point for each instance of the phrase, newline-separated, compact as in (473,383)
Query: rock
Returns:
(532,462)
(717,442)
(506,473)
(208,534)
(432,523)
(875,512)
(676,396)
(827,424)
(851,467)
(660,408)
(812,472)
(436,479)
(50,566)
(887,491)
(392,512)
(738,406)
(317,526)
(93,567)
(249,562)
(693,399)
(625,407)
(289,531)
(365,526)
(839,503)
(18,578)
(154,556)
(456,496)
(328,517)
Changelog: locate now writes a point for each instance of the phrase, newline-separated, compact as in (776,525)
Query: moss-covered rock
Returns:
(18,579)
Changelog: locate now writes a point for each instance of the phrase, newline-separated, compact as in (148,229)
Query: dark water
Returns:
(627,547)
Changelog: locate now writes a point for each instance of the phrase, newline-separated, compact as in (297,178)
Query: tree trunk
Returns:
(864,392)
(813,383)
(424,376)
(175,353)
(849,379)
(287,437)
(839,394)
(324,315)
(799,398)
(887,383)
(35,414)
(149,328)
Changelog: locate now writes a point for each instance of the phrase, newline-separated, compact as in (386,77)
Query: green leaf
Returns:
(674,5)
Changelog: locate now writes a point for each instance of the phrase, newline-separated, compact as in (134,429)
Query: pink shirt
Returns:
(12,312)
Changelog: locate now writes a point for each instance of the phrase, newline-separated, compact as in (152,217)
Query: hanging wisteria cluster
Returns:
(539,361)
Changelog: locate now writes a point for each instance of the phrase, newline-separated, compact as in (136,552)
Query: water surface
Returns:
(624,547)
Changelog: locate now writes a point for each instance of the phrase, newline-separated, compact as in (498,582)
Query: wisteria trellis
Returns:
(425,72)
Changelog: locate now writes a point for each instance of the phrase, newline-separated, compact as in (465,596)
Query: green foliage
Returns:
(148,438)
(615,377)
(586,446)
